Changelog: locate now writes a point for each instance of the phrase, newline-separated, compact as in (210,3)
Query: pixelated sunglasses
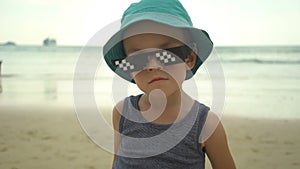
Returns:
(166,57)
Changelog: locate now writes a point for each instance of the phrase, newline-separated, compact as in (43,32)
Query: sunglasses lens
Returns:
(124,65)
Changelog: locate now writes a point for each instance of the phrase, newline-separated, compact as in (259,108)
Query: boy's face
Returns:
(156,74)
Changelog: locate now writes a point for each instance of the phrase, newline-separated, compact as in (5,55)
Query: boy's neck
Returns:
(157,97)
(156,104)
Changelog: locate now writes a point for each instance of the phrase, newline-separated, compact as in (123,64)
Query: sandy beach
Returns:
(51,138)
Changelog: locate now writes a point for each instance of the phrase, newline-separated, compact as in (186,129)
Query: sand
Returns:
(51,138)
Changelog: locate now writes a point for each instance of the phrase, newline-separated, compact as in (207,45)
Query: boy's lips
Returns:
(157,79)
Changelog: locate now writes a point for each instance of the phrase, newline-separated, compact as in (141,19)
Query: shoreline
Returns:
(51,137)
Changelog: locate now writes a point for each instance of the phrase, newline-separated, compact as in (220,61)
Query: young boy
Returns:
(158,48)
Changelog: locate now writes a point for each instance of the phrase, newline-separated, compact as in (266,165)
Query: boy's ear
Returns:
(190,61)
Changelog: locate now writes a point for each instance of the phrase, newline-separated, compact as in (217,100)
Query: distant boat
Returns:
(9,43)
(49,42)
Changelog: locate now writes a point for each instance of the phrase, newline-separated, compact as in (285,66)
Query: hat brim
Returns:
(114,49)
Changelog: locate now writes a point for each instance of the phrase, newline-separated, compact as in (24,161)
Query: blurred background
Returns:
(256,41)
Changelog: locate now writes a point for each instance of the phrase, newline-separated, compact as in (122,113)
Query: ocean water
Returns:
(261,82)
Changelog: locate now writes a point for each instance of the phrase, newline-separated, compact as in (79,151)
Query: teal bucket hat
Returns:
(167,12)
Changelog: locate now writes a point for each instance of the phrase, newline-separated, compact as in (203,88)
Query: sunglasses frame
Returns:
(166,57)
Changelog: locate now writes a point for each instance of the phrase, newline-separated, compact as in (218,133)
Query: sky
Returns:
(74,22)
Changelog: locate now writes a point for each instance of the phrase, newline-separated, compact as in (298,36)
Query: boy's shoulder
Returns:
(120,104)
(117,110)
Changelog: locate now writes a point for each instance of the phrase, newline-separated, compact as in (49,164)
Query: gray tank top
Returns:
(147,145)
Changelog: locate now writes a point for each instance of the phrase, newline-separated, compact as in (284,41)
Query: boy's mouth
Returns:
(157,79)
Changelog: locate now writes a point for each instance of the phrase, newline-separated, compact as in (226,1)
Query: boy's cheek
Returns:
(177,72)
(134,74)
(139,76)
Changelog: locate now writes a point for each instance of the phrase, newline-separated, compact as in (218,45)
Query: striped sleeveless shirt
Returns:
(147,145)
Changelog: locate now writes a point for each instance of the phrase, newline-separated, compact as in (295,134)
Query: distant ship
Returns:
(49,42)
(9,43)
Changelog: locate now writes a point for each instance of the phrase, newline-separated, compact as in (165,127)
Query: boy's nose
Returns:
(153,64)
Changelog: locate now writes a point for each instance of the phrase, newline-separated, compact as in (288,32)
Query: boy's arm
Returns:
(216,146)
(116,119)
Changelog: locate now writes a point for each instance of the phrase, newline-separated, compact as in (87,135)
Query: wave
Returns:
(260,61)
(41,76)
(259,49)
(52,76)
(9,75)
